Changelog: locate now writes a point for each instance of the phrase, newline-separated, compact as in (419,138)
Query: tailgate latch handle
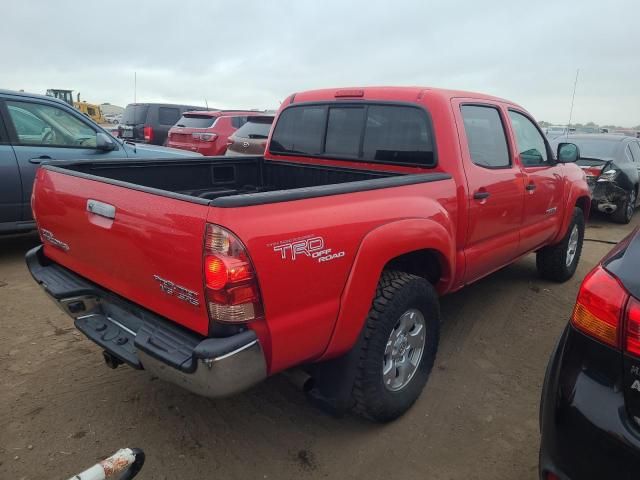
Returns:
(100,208)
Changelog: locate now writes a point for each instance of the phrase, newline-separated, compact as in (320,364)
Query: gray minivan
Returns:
(37,128)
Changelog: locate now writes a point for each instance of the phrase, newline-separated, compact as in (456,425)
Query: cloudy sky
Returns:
(255,52)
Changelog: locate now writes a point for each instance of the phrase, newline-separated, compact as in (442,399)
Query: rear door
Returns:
(10,185)
(544,182)
(40,131)
(495,188)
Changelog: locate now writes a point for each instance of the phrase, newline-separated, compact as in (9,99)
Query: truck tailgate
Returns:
(150,241)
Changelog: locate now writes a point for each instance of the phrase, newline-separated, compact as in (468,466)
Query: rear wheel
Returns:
(400,343)
(626,208)
(559,262)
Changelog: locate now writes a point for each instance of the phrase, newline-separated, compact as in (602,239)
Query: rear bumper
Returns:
(607,196)
(211,367)
(586,430)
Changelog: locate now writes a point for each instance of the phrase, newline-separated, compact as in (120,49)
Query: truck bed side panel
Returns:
(302,295)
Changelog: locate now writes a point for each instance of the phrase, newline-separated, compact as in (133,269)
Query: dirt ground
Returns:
(61,409)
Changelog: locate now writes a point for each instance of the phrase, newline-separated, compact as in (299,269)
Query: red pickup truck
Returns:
(328,252)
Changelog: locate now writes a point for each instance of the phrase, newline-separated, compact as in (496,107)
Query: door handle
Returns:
(38,160)
(531,187)
(481,195)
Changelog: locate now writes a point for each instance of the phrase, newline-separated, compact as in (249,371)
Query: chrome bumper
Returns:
(211,367)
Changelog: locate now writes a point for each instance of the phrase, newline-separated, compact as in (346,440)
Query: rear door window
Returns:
(371,133)
(627,154)
(485,136)
(168,115)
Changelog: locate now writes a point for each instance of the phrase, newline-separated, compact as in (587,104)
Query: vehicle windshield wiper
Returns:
(180,125)
(256,135)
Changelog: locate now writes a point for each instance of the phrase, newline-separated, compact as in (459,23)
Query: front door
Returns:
(494,186)
(544,183)
(46,131)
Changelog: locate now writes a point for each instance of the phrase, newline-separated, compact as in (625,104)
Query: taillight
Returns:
(598,310)
(148,133)
(632,342)
(205,137)
(231,286)
(593,171)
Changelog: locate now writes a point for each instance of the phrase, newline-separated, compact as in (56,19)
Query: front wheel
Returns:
(400,344)
(559,262)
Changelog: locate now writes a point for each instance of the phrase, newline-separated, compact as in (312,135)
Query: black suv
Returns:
(150,122)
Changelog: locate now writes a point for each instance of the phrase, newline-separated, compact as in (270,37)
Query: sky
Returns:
(254,53)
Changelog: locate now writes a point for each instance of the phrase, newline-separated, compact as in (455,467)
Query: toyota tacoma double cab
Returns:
(329,252)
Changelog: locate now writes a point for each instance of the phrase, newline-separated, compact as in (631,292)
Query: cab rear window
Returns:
(384,133)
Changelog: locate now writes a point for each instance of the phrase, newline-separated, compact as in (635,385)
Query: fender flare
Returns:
(377,248)
(574,196)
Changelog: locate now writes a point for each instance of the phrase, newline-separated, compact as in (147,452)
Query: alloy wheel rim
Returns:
(404,350)
(572,247)
(631,205)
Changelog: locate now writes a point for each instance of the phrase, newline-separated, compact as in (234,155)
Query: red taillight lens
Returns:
(632,343)
(205,137)
(231,286)
(208,137)
(593,171)
(148,133)
(599,307)
(215,272)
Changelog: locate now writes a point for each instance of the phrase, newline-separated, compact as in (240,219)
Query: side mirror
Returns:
(568,153)
(104,142)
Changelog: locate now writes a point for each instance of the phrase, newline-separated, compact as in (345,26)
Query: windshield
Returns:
(256,127)
(195,121)
(135,113)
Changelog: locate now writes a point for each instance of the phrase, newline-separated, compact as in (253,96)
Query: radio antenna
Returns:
(573,97)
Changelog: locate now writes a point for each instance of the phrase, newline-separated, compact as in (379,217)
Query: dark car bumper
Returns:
(607,197)
(212,367)
(586,431)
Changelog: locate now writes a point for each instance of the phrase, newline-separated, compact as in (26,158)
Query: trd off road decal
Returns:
(310,246)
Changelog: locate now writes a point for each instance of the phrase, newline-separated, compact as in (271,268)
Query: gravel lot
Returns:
(61,409)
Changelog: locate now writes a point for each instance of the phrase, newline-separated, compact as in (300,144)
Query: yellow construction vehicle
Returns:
(91,110)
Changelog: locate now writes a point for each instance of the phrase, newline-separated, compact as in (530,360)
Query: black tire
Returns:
(397,292)
(626,208)
(552,260)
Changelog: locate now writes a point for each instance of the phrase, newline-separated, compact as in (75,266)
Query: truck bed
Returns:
(238,181)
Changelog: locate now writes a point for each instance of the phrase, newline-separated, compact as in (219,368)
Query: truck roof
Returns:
(409,94)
